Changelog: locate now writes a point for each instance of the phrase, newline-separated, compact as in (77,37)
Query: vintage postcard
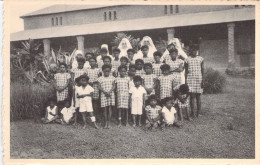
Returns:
(126,82)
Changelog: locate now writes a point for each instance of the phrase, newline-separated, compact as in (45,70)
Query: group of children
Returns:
(158,89)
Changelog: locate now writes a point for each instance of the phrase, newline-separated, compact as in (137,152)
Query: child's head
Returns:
(88,55)
(168,102)
(153,100)
(116,52)
(67,103)
(137,81)
(139,64)
(130,53)
(123,60)
(83,80)
(165,68)
(132,70)
(157,56)
(52,102)
(92,62)
(148,68)
(193,50)
(103,52)
(77,81)
(62,67)
(106,70)
(107,60)
(170,46)
(81,62)
(173,53)
(145,50)
(184,89)
(122,70)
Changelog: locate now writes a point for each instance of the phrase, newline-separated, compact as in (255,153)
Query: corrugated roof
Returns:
(62,8)
(139,24)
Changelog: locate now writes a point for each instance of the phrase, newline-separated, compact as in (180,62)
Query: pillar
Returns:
(231,45)
(80,40)
(47,47)
(170,33)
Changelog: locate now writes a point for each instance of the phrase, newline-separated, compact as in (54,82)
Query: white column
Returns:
(170,33)
(231,45)
(80,40)
(47,47)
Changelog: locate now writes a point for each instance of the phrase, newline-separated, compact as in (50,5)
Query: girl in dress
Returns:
(131,75)
(157,63)
(153,111)
(51,112)
(124,46)
(116,62)
(149,80)
(145,57)
(182,100)
(139,65)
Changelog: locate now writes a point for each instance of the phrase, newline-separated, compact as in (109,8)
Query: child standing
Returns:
(107,86)
(122,92)
(67,113)
(139,65)
(51,112)
(116,62)
(157,64)
(145,50)
(103,53)
(107,61)
(169,113)
(149,80)
(137,94)
(131,74)
(85,94)
(130,55)
(182,100)
(153,111)
(124,61)
(194,76)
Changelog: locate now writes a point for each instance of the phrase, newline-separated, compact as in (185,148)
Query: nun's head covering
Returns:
(79,53)
(106,47)
(124,46)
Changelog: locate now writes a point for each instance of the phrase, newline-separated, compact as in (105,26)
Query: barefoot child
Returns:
(122,93)
(107,86)
(182,100)
(149,80)
(157,63)
(85,93)
(169,113)
(153,111)
(67,113)
(51,112)
(194,77)
(137,98)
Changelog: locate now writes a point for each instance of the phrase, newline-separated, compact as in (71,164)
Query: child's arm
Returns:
(143,100)
(186,71)
(113,87)
(72,77)
(202,73)
(130,100)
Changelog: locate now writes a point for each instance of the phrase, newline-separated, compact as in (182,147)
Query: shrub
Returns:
(28,99)
(240,72)
(214,81)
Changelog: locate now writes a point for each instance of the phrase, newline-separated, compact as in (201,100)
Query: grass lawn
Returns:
(226,129)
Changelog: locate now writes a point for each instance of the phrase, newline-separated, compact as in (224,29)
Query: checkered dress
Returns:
(122,92)
(167,83)
(115,64)
(107,83)
(149,83)
(78,72)
(140,72)
(93,76)
(153,112)
(61,80)
(185,104)
(100,64)
(194,77)
(157,70)
(174,65)
(148,59)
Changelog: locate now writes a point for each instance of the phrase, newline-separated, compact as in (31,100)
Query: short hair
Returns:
(132,66)
(116,50)
(93,58)
(139,60)
(174,50)
(143,47)
(124,58)
(92,54)
(148,64)
(103,50)
(106,66)
(184,88)
(63,64)
(107,57)
(166,99)
(122,67)
(165,67)
(130,50)
(152,97)
(83,76)
(157,53)
(137,78)
(81,60)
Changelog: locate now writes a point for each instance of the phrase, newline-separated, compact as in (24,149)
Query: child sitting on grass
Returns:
(67,113)
(51,112)
(153,111)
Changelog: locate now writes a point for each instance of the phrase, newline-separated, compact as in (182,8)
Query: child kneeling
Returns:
(169,113)
(153,111)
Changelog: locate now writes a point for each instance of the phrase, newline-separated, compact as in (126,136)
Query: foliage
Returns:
(213,81)
(134,41)
(244,73)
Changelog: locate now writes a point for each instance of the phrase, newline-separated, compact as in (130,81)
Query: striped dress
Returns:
(93,76)
(122,92)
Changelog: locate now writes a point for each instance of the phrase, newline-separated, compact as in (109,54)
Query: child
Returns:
(131,74)
(85,94)
(194,77)
(107,61)
(153,111)
(145,50)
(103,53)
(124,61)
(177,65)
(122,92)
(61,83)
(107,86)
(51,112)
(137,94)
(166,83)
(149,80)
(169,113)
(116,62)
(93,74)
(157,64)
(67,113)
(182,100)
(139,64)
(130,55)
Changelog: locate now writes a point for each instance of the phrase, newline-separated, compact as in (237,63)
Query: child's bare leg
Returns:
(181,115)
(93,119)
(76,117)
(139,120)
(134,116)
(84,116)
(198,104)
(119,116)
(192,104)
(105,115)
(187,113)
(126,113)
(109,116)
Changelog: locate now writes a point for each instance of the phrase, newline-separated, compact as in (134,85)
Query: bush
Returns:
(240,72)
(214,81)
(28,100)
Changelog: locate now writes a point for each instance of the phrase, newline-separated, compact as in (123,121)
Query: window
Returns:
(177,9)
(165,9)
(52,21)
(110,15)
(171,9)
(115,15)
(57,21)
(105,16)
(60,20)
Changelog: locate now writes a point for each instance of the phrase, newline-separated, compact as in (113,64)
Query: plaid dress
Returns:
(174,65)
(93,76)
(157,70)
(185,104)
(148,59)
(149,83)
(122,92)
(167,84)
(61,80)
(107,83)
(140,72)
(78,72)
(194,77)
(115,64)
(153,112)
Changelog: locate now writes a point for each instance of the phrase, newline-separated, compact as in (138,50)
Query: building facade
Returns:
(227,33)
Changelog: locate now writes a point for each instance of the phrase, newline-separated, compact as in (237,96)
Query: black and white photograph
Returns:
(119,80)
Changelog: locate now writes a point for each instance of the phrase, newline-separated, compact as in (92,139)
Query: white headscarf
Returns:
(177,43)
(79,53)
(151,46)
(105,46)
(124,45)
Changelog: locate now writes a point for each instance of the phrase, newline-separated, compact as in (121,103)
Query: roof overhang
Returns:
(179,20)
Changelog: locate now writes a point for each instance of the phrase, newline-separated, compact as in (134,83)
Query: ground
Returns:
(226,129)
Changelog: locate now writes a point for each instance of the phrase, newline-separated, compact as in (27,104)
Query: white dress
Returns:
(137,100)
(67,113)
(169,115)
(53,110)
(85,104)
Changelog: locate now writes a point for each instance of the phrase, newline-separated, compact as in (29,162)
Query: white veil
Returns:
(152,48)
(123,50)
(105,46)
(178,46)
